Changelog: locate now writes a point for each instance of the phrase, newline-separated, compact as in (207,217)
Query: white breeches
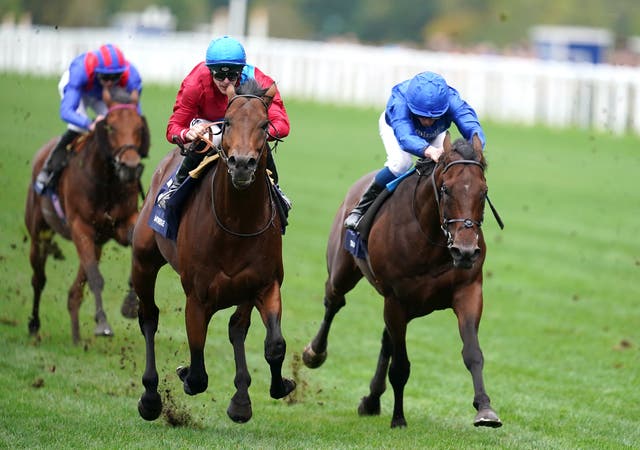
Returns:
(399,161)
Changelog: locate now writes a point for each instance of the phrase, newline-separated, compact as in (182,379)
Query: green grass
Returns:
(560,331)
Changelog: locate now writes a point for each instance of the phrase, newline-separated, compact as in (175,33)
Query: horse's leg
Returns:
(83,236)
(146,262)
(396,324)
(124,235)
(239,409)
(74,300)
(275,347)
(40,241)
(469,313)
(343,276)
(194,377)
(370,404)
(96,284)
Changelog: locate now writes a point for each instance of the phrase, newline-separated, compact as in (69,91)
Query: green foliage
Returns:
(560,331)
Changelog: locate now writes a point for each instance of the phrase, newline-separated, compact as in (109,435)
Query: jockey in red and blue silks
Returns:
(81,89)
(418,114)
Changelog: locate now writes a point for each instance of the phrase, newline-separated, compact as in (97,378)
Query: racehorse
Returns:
(227,251)
(96,200)
(425,252)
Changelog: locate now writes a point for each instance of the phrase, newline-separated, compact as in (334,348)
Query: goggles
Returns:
(109,76)
(230,75)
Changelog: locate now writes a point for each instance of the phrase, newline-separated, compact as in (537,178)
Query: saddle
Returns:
(355,242)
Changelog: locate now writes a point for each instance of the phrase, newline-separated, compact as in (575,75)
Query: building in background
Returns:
(569,43)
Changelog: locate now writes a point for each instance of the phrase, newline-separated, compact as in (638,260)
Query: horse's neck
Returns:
(423,203)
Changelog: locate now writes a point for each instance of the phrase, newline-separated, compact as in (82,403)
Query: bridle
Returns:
(116,155)
(444,225)
(224,157)
(445,222)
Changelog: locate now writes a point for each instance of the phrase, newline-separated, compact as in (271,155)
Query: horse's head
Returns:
(461,190)
(245,131)
(124,134)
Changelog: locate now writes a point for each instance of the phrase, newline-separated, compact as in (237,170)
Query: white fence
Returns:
(502,89)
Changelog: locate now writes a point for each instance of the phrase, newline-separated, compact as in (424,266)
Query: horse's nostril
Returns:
(231,162)
(252,164)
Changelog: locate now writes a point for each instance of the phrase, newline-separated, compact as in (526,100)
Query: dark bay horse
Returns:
(97,200)
(228,252)
(417,269)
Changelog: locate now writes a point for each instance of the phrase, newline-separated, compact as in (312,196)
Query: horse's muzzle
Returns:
(127,174)
(242,170)
(464,256)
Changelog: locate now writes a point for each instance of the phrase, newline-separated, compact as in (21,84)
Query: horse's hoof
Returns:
(487,418)
(239,413)
(287,387)
(34,326)
(369,407)
(129,308)
(150,406)
(312,359)
(182,372)
(103,330)
(398,422)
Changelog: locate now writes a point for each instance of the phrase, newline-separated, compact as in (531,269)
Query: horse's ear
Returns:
(135,97)
(231,91)
(271,92)
(145,141)
(446,145)
(476,143)
(106,96)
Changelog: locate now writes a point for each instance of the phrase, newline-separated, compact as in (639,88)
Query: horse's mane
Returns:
(251,87)
(464,148)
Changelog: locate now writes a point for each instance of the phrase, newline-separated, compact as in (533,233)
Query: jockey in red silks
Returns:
(418,114)
(202,99)
(81,89)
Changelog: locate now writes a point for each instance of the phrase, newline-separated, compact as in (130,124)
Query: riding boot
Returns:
(56,161)
(372,192)
(190,162)
(273,173)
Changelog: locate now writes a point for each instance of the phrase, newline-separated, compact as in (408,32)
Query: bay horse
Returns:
(96,200)
(425,253)
(227,251)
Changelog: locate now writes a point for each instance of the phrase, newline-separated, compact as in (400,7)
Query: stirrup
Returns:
(353,220)
(42,182)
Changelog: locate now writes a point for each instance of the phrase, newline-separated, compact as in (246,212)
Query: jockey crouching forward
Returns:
(414,123)
(202,98)
(81,89)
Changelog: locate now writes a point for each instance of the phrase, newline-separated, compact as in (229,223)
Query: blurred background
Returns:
(558,63)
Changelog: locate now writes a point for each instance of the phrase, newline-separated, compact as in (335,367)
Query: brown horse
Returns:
(97,200)
(417,269)
(228,252)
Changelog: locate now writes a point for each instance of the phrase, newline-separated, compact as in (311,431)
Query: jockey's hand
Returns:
(195,131)
(92,125)
(433,152)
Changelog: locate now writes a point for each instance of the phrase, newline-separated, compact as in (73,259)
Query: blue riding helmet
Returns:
(110,60)
(225,51)
(428,95)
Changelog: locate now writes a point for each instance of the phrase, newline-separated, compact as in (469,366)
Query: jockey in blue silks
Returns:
(81,88)
(414,123)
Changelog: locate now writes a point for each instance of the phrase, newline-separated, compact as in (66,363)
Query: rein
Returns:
(236,233)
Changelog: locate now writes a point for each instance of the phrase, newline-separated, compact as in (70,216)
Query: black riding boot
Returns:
(190,162)
(56,161)
(372,192)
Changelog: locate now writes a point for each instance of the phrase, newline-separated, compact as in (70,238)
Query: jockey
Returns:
(202,98)
(81,88)
(414,123)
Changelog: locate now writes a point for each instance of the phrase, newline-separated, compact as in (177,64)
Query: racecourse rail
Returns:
(500,88)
